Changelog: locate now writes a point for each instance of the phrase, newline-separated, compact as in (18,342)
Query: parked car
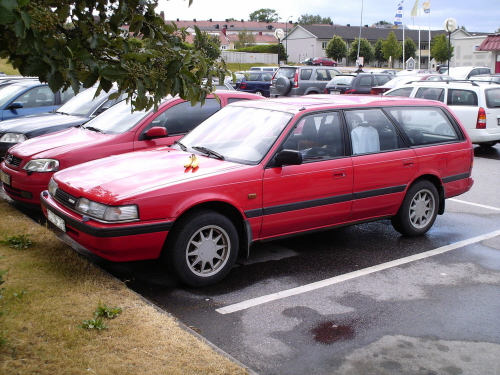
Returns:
(360,83)
(324,61)
(465,72)
(261,170)
(28,166)
(301,80)
(77,111)
(415,71)
(264,68)
(401,80)
(30,96)
(492,78)
(255,82)
(308,61)
(476,104)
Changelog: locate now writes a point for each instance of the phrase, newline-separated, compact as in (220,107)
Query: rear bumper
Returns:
(484,135)
(118,242)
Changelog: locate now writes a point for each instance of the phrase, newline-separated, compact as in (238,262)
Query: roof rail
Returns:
(447,82)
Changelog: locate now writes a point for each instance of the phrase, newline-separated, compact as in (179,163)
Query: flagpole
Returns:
(429,63)
(402,24)
(419,48)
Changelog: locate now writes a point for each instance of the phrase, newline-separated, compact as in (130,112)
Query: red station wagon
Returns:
(260,170)
(28,166)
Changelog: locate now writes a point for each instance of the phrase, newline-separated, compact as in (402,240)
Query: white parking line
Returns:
(349,276)
(475,204)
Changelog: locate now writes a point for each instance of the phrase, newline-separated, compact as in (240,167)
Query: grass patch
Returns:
(7,68)
(48,291)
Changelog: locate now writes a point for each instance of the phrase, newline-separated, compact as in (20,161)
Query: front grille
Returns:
(66,199)
(13,160)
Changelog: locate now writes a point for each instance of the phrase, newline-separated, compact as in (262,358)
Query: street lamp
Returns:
(278,33)
(286,40)
(450,25)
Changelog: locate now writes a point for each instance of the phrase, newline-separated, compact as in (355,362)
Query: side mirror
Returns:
(15,105)
(287,157)
(156,132)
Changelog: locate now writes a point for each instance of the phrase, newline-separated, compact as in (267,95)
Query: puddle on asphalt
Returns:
(330,332)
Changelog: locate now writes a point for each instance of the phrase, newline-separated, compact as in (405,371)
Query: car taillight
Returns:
(351,91)
(243,85)
(327,91)
(481,119)
(296,79)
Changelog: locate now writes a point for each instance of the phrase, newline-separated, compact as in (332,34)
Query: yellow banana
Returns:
(190,161)
(195,162)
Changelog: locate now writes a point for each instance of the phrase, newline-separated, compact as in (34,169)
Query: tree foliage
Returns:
(440,48)
(264,15)
(410,49)
(245,39)
(391,48)
(365,50)
(309,19)
(378,54)
(69,42)
(209,44)
(336,48)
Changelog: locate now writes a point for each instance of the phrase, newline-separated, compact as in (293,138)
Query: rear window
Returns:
(404,91)
(425,125)
(430,93)
(341,80)
(285,72)
(492,98)
(382,79)
(462,97)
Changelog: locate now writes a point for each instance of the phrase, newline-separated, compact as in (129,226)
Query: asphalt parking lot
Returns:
(356,300)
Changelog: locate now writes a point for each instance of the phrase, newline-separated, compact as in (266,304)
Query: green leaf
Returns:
(6,15)
(106,85)
(113,72)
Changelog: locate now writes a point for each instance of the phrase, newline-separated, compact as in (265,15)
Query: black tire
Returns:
(202,231)
(283,85)
(418,210)
(258,92)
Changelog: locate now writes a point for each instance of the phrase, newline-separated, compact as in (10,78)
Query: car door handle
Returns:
(408,163)
(339,174)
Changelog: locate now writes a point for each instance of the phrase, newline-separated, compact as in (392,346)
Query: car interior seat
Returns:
(309,135)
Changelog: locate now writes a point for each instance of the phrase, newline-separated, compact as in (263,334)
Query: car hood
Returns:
(56,144)
(119,177)
(33,124)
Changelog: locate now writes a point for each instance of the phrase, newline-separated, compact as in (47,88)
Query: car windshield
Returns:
(10,92)
(341,80)
(239,134)
(116,120)
(83,103)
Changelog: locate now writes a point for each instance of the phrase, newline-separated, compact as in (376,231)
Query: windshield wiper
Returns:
(91,128)
(63,113)
(209,152)
(184,148)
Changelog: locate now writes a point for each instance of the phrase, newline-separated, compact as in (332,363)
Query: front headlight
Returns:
(52,187)
(42,165)
(107,213)
(13,138)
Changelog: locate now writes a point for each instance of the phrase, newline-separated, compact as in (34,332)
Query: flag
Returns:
(398,20)
(427,6)
(414,11)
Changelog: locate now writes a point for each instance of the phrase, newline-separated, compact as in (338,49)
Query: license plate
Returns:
(56,220)
(5,178)
(335,92)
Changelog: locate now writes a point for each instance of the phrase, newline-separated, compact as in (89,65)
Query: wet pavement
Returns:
(382,303)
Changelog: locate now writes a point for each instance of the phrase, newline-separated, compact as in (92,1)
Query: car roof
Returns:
(325,101)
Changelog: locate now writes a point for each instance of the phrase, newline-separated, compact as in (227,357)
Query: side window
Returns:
(254,77)
(67,95)
(382,79)
(425,125)
(492,98)
(430,93)
(40,96)
(182,118)
(331,73)
(305,74)
(371,131)
(321,75)
(462,97)
(366,81)
(317,137)
(404,91)
(267,77)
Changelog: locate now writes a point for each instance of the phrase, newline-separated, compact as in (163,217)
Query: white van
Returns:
(465,72)
(476,104)
(264,68)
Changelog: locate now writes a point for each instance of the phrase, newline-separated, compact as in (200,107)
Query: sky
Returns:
(478,15)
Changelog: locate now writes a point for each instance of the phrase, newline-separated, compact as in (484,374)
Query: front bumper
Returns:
(25,187)
(118,242)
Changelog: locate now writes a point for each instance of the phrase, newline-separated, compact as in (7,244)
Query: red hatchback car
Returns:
(28,166)
(260,170)
(324,61)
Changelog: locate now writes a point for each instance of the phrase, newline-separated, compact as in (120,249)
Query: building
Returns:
(475,49)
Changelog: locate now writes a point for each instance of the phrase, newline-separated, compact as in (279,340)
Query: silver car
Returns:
(301,80)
